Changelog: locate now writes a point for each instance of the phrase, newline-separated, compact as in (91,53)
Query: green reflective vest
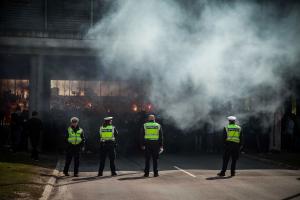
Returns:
(74,137)
(107,133)
(233,133)
(151,130)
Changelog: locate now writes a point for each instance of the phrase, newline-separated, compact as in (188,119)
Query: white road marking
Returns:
(188,173)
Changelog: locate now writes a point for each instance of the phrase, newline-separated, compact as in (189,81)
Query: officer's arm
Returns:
(241,139)
(66,137)
(224,135)
(142,137)
(161,137)
(116,133)
(83,138)
(100,134)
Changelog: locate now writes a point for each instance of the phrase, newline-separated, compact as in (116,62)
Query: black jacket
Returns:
(34,126)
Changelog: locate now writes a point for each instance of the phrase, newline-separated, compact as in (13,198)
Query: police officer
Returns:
(75,142)
(233,144)
(152,143)
(107,145)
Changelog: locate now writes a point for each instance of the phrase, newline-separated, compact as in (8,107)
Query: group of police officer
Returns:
(151,142)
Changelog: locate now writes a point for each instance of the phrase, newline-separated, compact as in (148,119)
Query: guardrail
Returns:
(42,34)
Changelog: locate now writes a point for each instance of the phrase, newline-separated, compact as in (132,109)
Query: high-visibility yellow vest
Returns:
(74,137)
(107,133)
(233,133)
(151,130)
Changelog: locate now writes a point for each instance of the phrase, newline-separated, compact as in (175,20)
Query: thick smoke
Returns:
(201,56)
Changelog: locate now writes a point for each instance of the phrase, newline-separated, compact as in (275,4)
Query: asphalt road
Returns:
(181,177)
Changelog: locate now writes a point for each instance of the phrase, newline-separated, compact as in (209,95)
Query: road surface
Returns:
(181,177)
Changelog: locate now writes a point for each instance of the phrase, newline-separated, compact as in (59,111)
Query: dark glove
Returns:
(241,148)
(83,148)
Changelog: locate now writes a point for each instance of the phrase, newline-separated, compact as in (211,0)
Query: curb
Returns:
(50,184)
(281,164)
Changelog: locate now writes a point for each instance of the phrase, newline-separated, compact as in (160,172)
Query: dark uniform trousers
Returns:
(151,150)
(72,151)
(231,151)
(34,140)
(107,148)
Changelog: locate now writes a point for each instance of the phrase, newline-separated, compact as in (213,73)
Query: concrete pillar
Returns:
(39,92)
(39,86)
(35,79)
(275,136)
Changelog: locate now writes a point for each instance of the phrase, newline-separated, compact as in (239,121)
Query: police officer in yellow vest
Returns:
(75,142)
(152,143)
(233,144)
(107,135)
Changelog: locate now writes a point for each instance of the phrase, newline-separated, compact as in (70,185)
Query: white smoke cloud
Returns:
(199,56)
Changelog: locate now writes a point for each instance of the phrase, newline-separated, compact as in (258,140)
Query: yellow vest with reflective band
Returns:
(107,133)
(151,130)
(74,137)
(233,133)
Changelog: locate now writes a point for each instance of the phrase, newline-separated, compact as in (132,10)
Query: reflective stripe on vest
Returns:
(151,130)
(107,133)
(74,137)
(233,133)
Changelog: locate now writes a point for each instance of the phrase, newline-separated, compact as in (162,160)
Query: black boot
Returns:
(221,174)
(232,173)
(66,174)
